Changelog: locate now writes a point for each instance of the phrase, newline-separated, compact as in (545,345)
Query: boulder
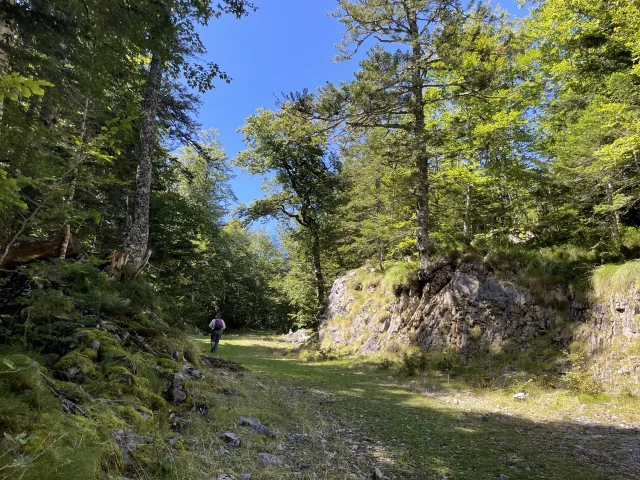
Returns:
(178,394)
(266,459)
(231,439)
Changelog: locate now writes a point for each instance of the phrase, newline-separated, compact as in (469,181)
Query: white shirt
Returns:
(213,322)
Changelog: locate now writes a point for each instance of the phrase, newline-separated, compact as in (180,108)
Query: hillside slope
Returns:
(467,306)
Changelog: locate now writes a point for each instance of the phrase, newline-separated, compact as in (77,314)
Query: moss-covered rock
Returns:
(77,366)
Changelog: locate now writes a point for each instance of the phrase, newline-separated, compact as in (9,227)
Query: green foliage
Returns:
(414,362)
(13,86)
(10,191)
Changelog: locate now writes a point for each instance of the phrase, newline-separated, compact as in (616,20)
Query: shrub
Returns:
(414,362)
(448,361)
(580,381)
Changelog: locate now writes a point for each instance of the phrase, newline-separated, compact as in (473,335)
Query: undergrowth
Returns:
(101,349)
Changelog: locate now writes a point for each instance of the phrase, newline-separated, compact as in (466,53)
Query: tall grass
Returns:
(612,279)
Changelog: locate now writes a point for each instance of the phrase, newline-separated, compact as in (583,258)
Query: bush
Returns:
(580,381)
(448,361)
(414,362)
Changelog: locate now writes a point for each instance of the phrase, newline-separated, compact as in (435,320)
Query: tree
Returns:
(375,220)
(393,89)
(173,41)
(304,184)
(585,54)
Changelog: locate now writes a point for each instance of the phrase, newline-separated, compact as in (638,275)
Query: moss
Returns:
(105,338)
(119,374)
(114,354)
(179,348)
(147,332)
(149,399)
(77,359)
(71,390)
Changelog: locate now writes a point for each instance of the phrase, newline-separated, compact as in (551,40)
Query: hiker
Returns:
(216,326)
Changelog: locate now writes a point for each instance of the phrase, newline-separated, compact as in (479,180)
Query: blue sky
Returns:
(287,45)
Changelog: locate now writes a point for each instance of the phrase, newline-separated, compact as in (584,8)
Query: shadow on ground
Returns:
(412,436)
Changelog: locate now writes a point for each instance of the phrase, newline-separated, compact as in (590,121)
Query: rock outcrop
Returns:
(452,304)
(463,305)
(610,337)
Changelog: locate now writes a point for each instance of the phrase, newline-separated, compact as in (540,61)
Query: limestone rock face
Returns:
(460,305)
(611,334)
(449,305)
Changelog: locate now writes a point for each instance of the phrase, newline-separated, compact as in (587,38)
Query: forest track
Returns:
(348,419)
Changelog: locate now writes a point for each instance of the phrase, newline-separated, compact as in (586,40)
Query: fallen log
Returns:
(29,252)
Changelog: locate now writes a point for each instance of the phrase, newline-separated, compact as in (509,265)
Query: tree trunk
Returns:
(317,266)
(137,235)
(419,142)
(68,201)
(468,231)
(65,242)
(615,218)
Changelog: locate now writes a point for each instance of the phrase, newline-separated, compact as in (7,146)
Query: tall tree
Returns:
(393,88)
(586,56)
(174,44)
(304,184)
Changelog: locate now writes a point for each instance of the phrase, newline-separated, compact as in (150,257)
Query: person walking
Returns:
(216,326)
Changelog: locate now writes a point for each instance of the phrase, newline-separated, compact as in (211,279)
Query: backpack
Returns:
(218,324)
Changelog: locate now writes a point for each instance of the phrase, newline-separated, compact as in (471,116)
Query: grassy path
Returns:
(359,417)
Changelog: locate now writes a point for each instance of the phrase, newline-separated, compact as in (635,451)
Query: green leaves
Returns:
(15,85)
(10,365)
(21,438)
(10,189)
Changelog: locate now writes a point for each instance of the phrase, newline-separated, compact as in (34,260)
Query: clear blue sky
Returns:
(287,45)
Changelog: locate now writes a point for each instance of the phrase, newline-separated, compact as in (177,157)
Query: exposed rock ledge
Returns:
(462,305)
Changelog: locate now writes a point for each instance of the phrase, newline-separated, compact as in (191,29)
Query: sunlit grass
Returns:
(615,279)
(429,425)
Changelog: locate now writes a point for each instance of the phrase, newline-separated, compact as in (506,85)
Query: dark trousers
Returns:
(215,339)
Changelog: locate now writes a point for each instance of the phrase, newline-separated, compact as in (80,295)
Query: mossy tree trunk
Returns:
(137,235)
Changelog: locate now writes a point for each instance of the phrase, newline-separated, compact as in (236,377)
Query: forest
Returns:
(451,237)
(461,130)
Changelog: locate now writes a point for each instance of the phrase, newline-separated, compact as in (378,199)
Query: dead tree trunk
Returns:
(65,242)
(118,261)
(137,235)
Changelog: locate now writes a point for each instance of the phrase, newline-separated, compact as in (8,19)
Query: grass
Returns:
(425,427)
(613,279)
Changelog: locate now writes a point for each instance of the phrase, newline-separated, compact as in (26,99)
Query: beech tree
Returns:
(174,44)
(304,184)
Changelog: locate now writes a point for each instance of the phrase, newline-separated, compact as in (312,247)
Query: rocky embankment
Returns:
(466,306)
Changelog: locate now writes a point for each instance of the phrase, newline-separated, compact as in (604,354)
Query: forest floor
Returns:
(349,419)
